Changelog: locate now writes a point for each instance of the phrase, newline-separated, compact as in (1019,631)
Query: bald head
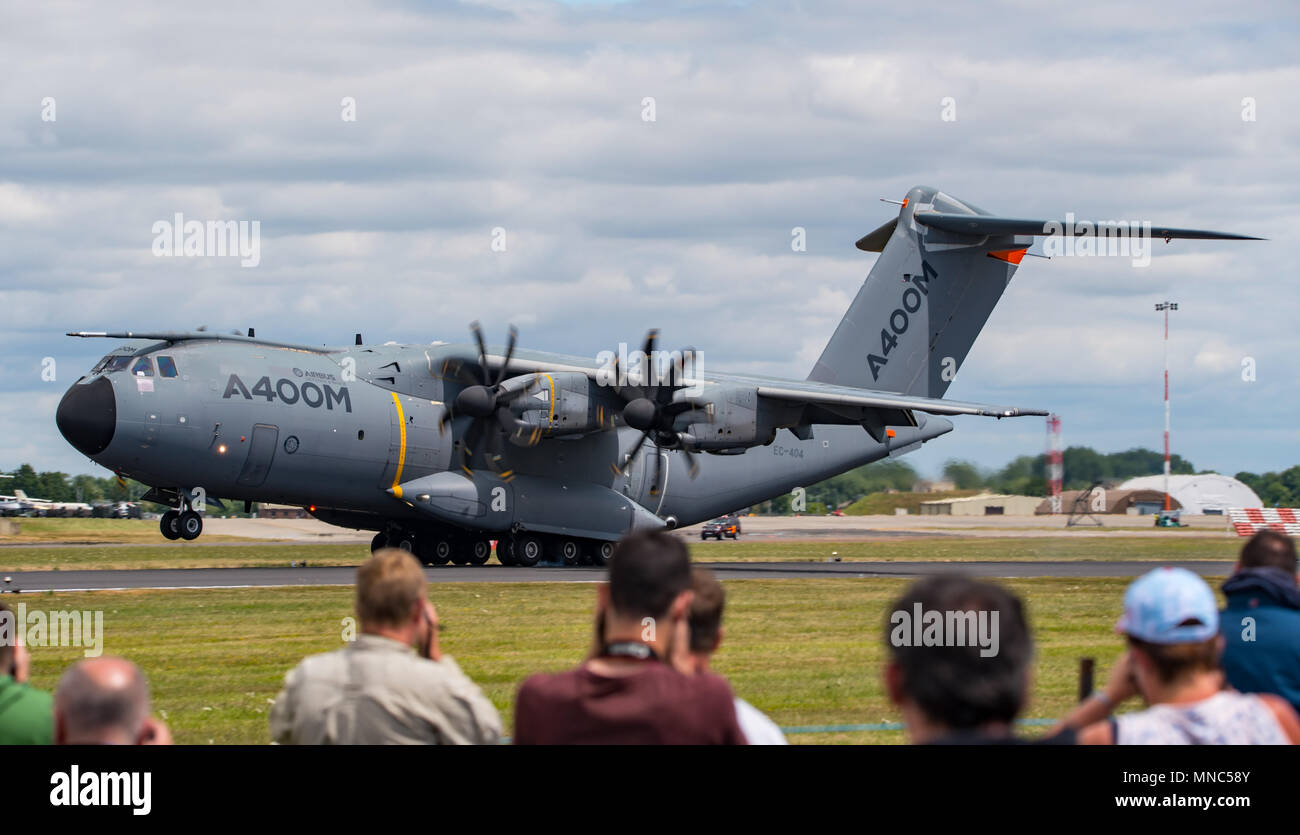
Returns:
(101,701)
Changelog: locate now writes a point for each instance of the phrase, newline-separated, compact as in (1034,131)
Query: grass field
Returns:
(241,554)
(83,531)
(808,652)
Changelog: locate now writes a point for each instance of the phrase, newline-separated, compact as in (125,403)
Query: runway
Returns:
(219,578)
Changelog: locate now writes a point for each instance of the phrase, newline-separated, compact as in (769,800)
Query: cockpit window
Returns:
(112,362)
(143,368)
(166,367)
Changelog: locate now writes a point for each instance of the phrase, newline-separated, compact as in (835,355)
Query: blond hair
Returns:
(389,584)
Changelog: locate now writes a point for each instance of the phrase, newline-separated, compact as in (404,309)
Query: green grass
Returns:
(93,531)
(904,549)
(808,652)
(941,548)
(240,554)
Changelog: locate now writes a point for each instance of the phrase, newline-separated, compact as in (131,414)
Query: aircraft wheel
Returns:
(170,524)
(506,552)
(529,549)
(601,553)
(433,550)
(405,541)
(444,548)
(478,551)
(190,525)
(570,551)
(380,541)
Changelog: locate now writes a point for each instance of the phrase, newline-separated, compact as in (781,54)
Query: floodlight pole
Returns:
(1166,307)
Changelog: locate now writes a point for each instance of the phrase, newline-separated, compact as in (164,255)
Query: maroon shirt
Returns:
(656,705)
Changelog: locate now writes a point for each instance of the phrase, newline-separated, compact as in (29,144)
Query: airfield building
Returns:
(1206,493)
(1114,500)
(984,504)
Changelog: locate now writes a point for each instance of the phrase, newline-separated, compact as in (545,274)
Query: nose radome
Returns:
(87,416)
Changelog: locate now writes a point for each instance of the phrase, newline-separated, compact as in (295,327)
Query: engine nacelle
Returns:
(566,403)
(730,417)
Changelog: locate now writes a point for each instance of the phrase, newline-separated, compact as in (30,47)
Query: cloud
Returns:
(769,116)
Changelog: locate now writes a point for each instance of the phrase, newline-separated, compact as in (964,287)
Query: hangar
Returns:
(984,504)
(1206,493)
(1114,500)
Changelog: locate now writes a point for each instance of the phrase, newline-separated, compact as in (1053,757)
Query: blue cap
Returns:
(1169,606)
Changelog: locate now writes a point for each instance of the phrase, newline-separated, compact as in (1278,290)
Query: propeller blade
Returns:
(444,420)
(649,375)
(477,330)
(510,352)
(618,469)
(693,468)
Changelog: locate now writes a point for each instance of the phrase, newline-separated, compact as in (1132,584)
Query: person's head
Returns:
(101,701)
(1269,549)
(960,654)
(649,577)
(707,606)
(390,595)
(1171,621)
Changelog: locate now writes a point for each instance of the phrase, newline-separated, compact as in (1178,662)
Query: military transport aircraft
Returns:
(441,448)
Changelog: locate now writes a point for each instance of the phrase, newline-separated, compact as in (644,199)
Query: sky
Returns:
(501,163)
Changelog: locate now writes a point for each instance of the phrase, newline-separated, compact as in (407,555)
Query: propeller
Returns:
(486,402)
(655,410)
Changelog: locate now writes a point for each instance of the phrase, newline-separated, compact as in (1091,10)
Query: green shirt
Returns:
(26,714)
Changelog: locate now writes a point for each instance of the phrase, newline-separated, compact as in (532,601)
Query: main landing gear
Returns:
(526,549)
(184,523)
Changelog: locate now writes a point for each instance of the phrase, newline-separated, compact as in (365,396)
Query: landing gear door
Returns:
(261,451)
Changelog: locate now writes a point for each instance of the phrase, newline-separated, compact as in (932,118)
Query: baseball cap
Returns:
(1169,606)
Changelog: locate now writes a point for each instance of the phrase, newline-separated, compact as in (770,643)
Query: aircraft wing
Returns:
(848,397)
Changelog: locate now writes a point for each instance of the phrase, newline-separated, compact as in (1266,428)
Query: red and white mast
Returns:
(1055,466)
(1166,307)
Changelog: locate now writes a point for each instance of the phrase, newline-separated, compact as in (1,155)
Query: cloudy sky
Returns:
(530,117)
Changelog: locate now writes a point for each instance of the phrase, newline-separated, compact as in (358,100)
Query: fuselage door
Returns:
(261,450)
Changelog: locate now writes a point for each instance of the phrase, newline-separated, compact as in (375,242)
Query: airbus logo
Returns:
(290,392)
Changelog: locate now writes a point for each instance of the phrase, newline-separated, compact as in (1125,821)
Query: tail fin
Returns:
(943,266)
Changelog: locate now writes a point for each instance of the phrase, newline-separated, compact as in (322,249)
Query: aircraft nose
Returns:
(87,416)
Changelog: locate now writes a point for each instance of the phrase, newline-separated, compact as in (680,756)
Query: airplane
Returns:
(47,507)
(441,448)
(11,506)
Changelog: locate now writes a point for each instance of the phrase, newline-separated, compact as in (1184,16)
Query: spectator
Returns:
(959,686)
(1172,625)
(26,716)
(1261,624)
(376,690)
(706,636)
(105,701)
(637,687)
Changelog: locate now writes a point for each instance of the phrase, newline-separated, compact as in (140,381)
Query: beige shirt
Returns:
(377,691)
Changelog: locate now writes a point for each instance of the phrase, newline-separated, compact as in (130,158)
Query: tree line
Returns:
(1024,476)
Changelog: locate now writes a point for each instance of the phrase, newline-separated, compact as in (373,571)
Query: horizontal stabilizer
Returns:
(982,225)
(828,395)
